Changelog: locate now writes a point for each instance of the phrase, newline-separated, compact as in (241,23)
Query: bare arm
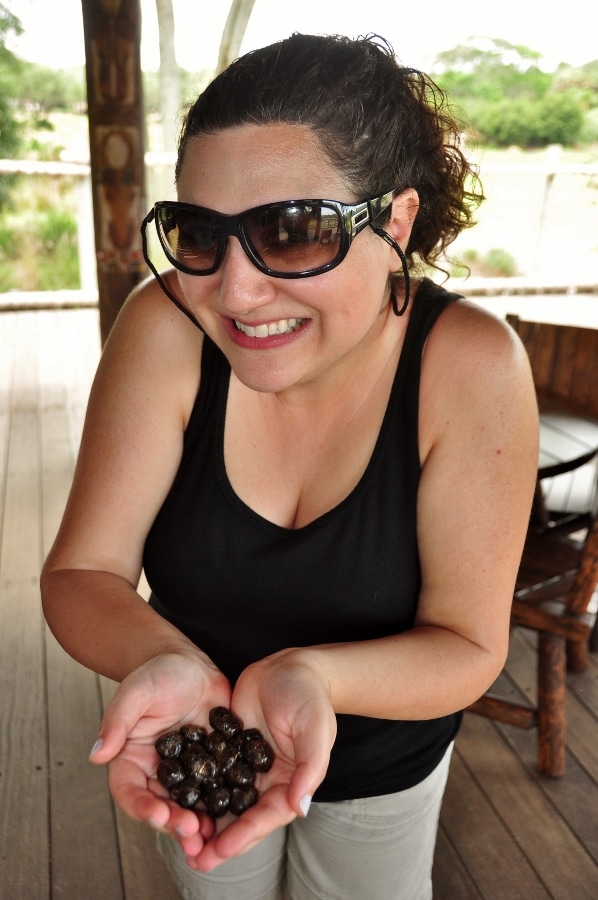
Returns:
(131,446)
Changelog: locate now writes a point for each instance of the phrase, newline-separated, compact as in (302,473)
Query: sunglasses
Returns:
(287,239)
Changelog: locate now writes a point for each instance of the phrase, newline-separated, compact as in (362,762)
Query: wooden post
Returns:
(551,704)
(112,31)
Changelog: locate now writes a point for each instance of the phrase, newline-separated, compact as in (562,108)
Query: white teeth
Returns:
(282,326)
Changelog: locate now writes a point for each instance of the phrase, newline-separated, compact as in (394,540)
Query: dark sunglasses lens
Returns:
(189,237)
(294,237)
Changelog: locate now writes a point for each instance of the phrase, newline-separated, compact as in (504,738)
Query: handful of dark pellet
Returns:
(213,770)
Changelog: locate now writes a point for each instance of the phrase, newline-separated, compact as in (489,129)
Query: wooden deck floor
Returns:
(505,832)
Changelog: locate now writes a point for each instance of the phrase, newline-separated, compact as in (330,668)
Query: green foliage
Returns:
(495,263)
(10,127)
(43,90)
(589,131)
(38,237)
(554,119)
(507,99)
(581,81)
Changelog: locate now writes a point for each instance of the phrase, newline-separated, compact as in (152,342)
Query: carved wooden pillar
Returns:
(117,145)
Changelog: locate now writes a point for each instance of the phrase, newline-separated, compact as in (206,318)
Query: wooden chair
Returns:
(564,361)
(559,568)
(555,584)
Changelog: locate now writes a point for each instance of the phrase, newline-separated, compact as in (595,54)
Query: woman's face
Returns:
(336,314)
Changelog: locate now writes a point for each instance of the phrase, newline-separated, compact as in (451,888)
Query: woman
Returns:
(324,467)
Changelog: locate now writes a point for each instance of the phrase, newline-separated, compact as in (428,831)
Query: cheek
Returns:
(195,289)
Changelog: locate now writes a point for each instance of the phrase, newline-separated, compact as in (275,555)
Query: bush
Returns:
(38,238)
(495,263)
(589,129)
(555,119)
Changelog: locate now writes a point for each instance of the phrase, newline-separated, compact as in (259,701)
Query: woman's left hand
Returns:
(286,699)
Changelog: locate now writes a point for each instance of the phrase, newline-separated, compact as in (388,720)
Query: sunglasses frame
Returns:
(353,217)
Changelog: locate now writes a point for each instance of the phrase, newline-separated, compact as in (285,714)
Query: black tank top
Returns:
(242,587)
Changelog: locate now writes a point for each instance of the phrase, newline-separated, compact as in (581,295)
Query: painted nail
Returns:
(98,744)
(305,803)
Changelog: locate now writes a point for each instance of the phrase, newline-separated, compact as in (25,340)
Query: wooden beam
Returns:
(112,30)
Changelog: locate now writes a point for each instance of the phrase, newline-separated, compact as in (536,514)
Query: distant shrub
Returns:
(38,238)
(554,119)
(495,263)
(499,263)
(589,129)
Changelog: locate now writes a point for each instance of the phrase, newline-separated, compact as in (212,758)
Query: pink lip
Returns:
(266,343)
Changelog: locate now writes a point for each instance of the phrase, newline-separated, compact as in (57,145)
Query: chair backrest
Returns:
(564,361)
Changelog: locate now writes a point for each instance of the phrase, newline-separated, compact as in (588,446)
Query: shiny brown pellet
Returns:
(216,769)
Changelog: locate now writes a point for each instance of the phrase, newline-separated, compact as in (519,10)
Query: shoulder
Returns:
(148,315)
(474,370)
(153,343)
(466,336)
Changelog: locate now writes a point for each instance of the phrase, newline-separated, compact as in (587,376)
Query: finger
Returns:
(312,761)
(119,720)
(128,785)
(203,828)
(271,812)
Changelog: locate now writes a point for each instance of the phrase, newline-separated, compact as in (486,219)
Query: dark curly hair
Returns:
(382,125)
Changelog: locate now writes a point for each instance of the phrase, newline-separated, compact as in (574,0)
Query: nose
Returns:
(243,287)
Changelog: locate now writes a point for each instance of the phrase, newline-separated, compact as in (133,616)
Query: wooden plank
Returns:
(527,813)
(541,345)
(575,795)
(83,828)
(7,341)
(23,738)
(564,361)
(586,370)
(493,859)
(450,878)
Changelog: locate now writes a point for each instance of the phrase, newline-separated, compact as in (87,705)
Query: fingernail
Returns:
(96,746)
(304,804)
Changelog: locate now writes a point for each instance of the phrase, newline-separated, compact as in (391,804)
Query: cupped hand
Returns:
(160,696)
(284,696)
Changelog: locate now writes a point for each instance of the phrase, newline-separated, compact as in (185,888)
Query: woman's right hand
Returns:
(161,695)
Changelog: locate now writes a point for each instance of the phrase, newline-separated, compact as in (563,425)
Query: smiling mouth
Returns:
(281,326)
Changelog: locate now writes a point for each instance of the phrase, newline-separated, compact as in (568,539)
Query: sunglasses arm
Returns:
(392,243)
(149,218)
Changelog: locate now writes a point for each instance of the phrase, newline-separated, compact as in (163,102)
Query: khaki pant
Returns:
(378,848)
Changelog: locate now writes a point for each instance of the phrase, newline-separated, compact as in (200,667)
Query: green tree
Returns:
(559,119)
(491,69)
(43,89)
(10,128)
(508,99)
(581,81)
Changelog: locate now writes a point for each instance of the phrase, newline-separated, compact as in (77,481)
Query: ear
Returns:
(405,207)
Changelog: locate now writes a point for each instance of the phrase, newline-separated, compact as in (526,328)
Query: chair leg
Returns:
(551,704)
(594,637)
(577,655)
